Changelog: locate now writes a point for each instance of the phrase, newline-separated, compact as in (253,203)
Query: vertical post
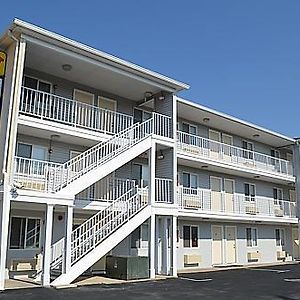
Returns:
(174,246)
(296,161)
(151,246)
(152,158)
(68,239)
(165,256)
(5,208)
(47,245)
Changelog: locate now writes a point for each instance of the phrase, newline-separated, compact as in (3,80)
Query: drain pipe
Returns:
(296,158)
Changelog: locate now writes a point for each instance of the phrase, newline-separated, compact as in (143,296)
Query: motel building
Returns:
(104,169)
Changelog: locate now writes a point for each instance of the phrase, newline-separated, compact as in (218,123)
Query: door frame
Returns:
(225,241)
(222,244)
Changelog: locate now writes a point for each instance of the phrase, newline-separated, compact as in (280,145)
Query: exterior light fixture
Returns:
(204,167)
(256,135)
(160,155)
(66,67)
(256,176)
(205,120)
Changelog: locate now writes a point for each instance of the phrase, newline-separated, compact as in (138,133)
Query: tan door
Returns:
(217,248)
(228,142)
(108,118)
(215,146)
(216,193)
(230,241)
(229,195)
(295,237)
(84,114)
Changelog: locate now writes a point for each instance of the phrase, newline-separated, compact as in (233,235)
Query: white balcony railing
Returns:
(51,107)
(107,189)
(163,190)
(33,174)
(238,204)
(203,147)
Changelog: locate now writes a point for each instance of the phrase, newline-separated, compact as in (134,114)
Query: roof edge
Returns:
(123,63)
(234,119)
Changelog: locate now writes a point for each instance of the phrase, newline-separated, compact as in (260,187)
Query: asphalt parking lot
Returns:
(276,282)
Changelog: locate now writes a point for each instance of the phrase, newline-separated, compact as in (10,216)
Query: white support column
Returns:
(152,158)
(151,247)
(68,239)
(5,209)
(165,247)
(174,246)
(47,245)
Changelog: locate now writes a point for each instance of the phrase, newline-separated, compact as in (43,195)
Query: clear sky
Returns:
(241,57)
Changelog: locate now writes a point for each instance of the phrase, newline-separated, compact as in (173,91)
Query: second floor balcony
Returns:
(212,202)
(198,147)
(50,107)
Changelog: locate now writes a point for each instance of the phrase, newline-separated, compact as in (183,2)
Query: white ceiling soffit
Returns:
(197,113)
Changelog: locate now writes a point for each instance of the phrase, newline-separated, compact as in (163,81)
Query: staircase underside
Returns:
(103,248)
(91,177)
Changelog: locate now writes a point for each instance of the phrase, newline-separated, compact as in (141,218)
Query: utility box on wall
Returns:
(127,268)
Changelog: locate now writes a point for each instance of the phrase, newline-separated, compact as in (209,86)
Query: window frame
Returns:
(190,181)
(252,242)
(251,199)
(190,239)
(25,235)
(38,83)
(281,239)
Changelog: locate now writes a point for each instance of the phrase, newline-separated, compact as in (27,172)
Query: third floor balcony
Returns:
(223,155)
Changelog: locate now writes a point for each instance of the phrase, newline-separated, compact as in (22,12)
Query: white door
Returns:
(216,193)
(215,146)
(230,242)
(159,246)
(229,195)
(217,244)
(295,237)
(108,118)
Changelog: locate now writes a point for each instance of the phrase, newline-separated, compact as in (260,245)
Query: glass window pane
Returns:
(186,236)
(24,150)
(254,238)
(44,87)
(193,130)
(135,238)
(185,127)
(194,183)
(15,233)
(194,236)
(30,83)
(39,153)
(186,179)
(248,236)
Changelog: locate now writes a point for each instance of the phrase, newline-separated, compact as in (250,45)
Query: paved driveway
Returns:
(279,282)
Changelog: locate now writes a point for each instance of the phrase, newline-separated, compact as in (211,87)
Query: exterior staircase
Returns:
(101,233)
(97,162)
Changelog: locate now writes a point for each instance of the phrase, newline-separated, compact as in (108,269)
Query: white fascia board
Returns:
(156,77)
(234,119)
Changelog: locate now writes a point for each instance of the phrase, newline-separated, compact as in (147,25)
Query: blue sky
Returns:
(240,57)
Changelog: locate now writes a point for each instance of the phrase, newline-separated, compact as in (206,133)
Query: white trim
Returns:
(17,23)
(234,119)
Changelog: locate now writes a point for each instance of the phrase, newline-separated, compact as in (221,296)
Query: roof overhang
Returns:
(61,48)
(203,115)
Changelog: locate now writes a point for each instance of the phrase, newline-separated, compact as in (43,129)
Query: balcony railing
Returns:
(34,174)
(203,147)
(163,190)
(107,189)
(237,204)
(70,112)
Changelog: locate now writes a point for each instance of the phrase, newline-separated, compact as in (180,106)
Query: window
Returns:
(139,238)
(37,84)
(31,151)
(140,115)
(249,192)
(248,153)
(279,234)
(251,235)
(188,128)
(24,233)
(189,180)
(190,236)
(278,196)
